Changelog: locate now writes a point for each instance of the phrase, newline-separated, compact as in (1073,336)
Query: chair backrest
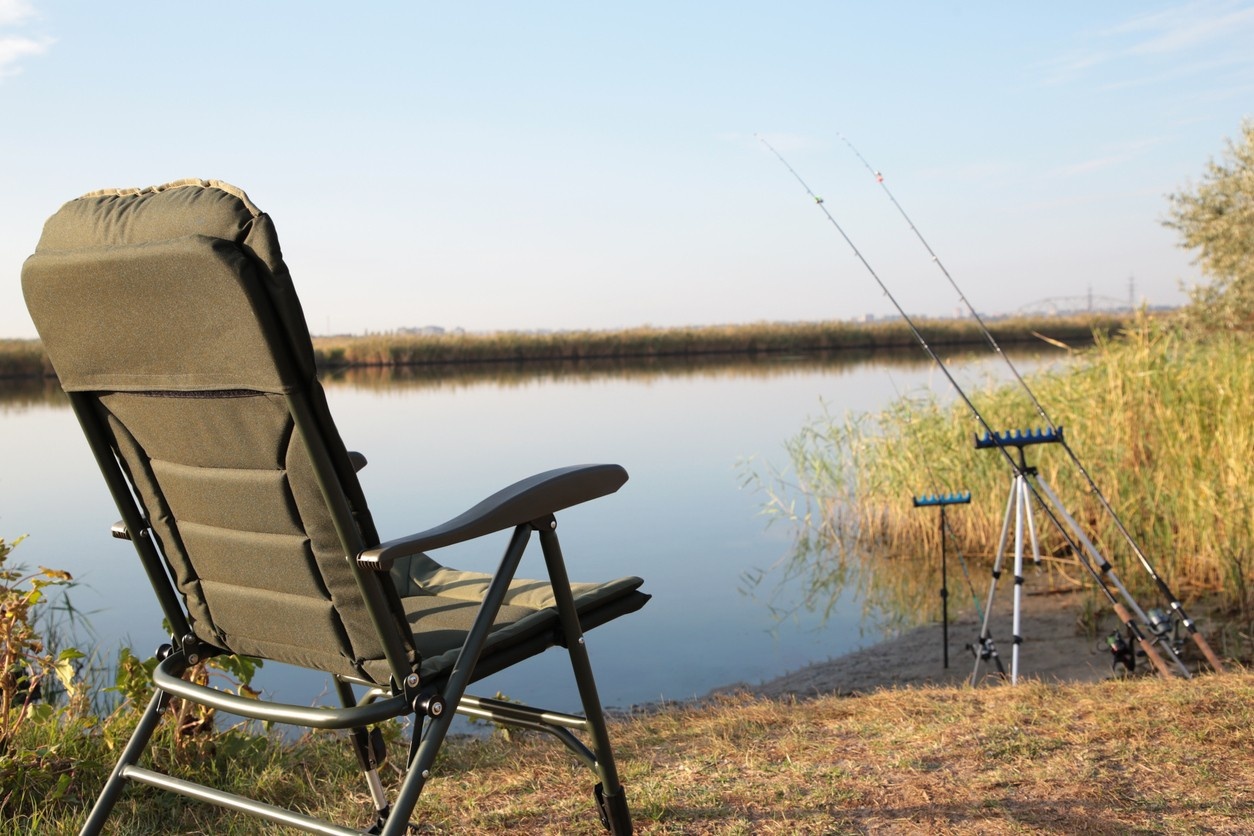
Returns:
(171,320)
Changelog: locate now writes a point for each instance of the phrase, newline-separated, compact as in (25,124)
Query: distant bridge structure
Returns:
(1088,303)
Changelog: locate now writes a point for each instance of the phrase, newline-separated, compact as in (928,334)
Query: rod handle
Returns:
(1151,652)
(1210,655)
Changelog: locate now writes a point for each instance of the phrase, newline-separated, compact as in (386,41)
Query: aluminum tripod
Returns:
(1028,483)
(1018,506)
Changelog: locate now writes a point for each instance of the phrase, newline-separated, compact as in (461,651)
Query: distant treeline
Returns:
(25,358)
(693,341)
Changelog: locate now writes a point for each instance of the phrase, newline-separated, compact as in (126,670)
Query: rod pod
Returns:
(1029,478)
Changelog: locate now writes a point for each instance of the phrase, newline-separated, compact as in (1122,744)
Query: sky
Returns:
(558,165)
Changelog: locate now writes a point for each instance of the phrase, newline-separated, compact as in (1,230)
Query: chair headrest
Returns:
(176,287)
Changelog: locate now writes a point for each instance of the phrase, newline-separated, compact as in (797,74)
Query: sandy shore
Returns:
(1054,649)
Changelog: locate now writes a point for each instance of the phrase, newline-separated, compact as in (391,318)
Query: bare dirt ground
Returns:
(1055,648)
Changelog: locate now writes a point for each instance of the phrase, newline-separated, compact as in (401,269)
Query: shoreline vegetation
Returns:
(1158,415)
(21,358)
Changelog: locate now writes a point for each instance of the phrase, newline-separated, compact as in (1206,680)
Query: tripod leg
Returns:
(1020,509)
(1027,505)
(992,588)
(944,593)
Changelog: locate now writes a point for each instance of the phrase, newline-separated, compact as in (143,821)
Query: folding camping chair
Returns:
(172,323)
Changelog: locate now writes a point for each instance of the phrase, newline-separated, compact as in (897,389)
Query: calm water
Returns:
(683,522)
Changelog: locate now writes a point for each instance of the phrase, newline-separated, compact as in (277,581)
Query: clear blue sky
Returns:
(565,165)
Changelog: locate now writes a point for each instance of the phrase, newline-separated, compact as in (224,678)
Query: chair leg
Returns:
(369,748)
(610,795)
(436,729)
(130,756)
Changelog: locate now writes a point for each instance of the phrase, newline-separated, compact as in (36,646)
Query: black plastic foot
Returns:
(615,816)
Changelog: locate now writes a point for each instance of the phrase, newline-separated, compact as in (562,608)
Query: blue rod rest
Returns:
(1018,438)
(955,498)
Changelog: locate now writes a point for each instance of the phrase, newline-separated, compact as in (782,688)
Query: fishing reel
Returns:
(984,650)
(1165,627)
(1122,649)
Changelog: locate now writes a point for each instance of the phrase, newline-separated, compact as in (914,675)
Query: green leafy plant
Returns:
(1215,219)
(27,667)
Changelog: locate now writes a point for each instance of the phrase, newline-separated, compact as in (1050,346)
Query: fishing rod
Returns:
(1176,605)
(1120,611)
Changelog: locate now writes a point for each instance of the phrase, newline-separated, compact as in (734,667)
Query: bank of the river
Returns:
(25,358)
(1064,634)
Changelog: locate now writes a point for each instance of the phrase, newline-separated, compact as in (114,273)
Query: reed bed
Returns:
(23,358)
(449,354)
(649,342)
(1159,419)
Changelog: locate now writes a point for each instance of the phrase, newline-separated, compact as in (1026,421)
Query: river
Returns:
(688,436)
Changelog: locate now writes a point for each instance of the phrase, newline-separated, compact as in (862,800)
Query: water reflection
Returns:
(507,375)
(437,444)
(17,393)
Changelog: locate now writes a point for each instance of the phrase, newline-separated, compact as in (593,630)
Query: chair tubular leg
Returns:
(611,798)
(436,729)
(370,750)
(130,755)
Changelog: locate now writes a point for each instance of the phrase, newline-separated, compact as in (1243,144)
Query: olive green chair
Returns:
(173,325)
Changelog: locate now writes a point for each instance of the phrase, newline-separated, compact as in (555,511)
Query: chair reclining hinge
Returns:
(194,650)
(426,701)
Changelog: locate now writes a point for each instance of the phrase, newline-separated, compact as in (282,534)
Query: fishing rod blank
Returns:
(1163,588)
(1106,568)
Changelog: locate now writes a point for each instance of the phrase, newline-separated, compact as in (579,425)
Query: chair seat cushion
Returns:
(441,603)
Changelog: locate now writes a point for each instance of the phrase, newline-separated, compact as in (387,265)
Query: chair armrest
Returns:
(520,503)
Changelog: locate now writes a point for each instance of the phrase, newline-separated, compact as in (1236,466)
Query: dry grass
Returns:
(1132,756)
(1141,756)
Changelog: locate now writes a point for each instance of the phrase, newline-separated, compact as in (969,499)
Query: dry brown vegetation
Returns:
(1143,756)
(1125,756)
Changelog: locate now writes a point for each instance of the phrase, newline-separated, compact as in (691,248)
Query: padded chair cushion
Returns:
(108,287)
(441,603)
